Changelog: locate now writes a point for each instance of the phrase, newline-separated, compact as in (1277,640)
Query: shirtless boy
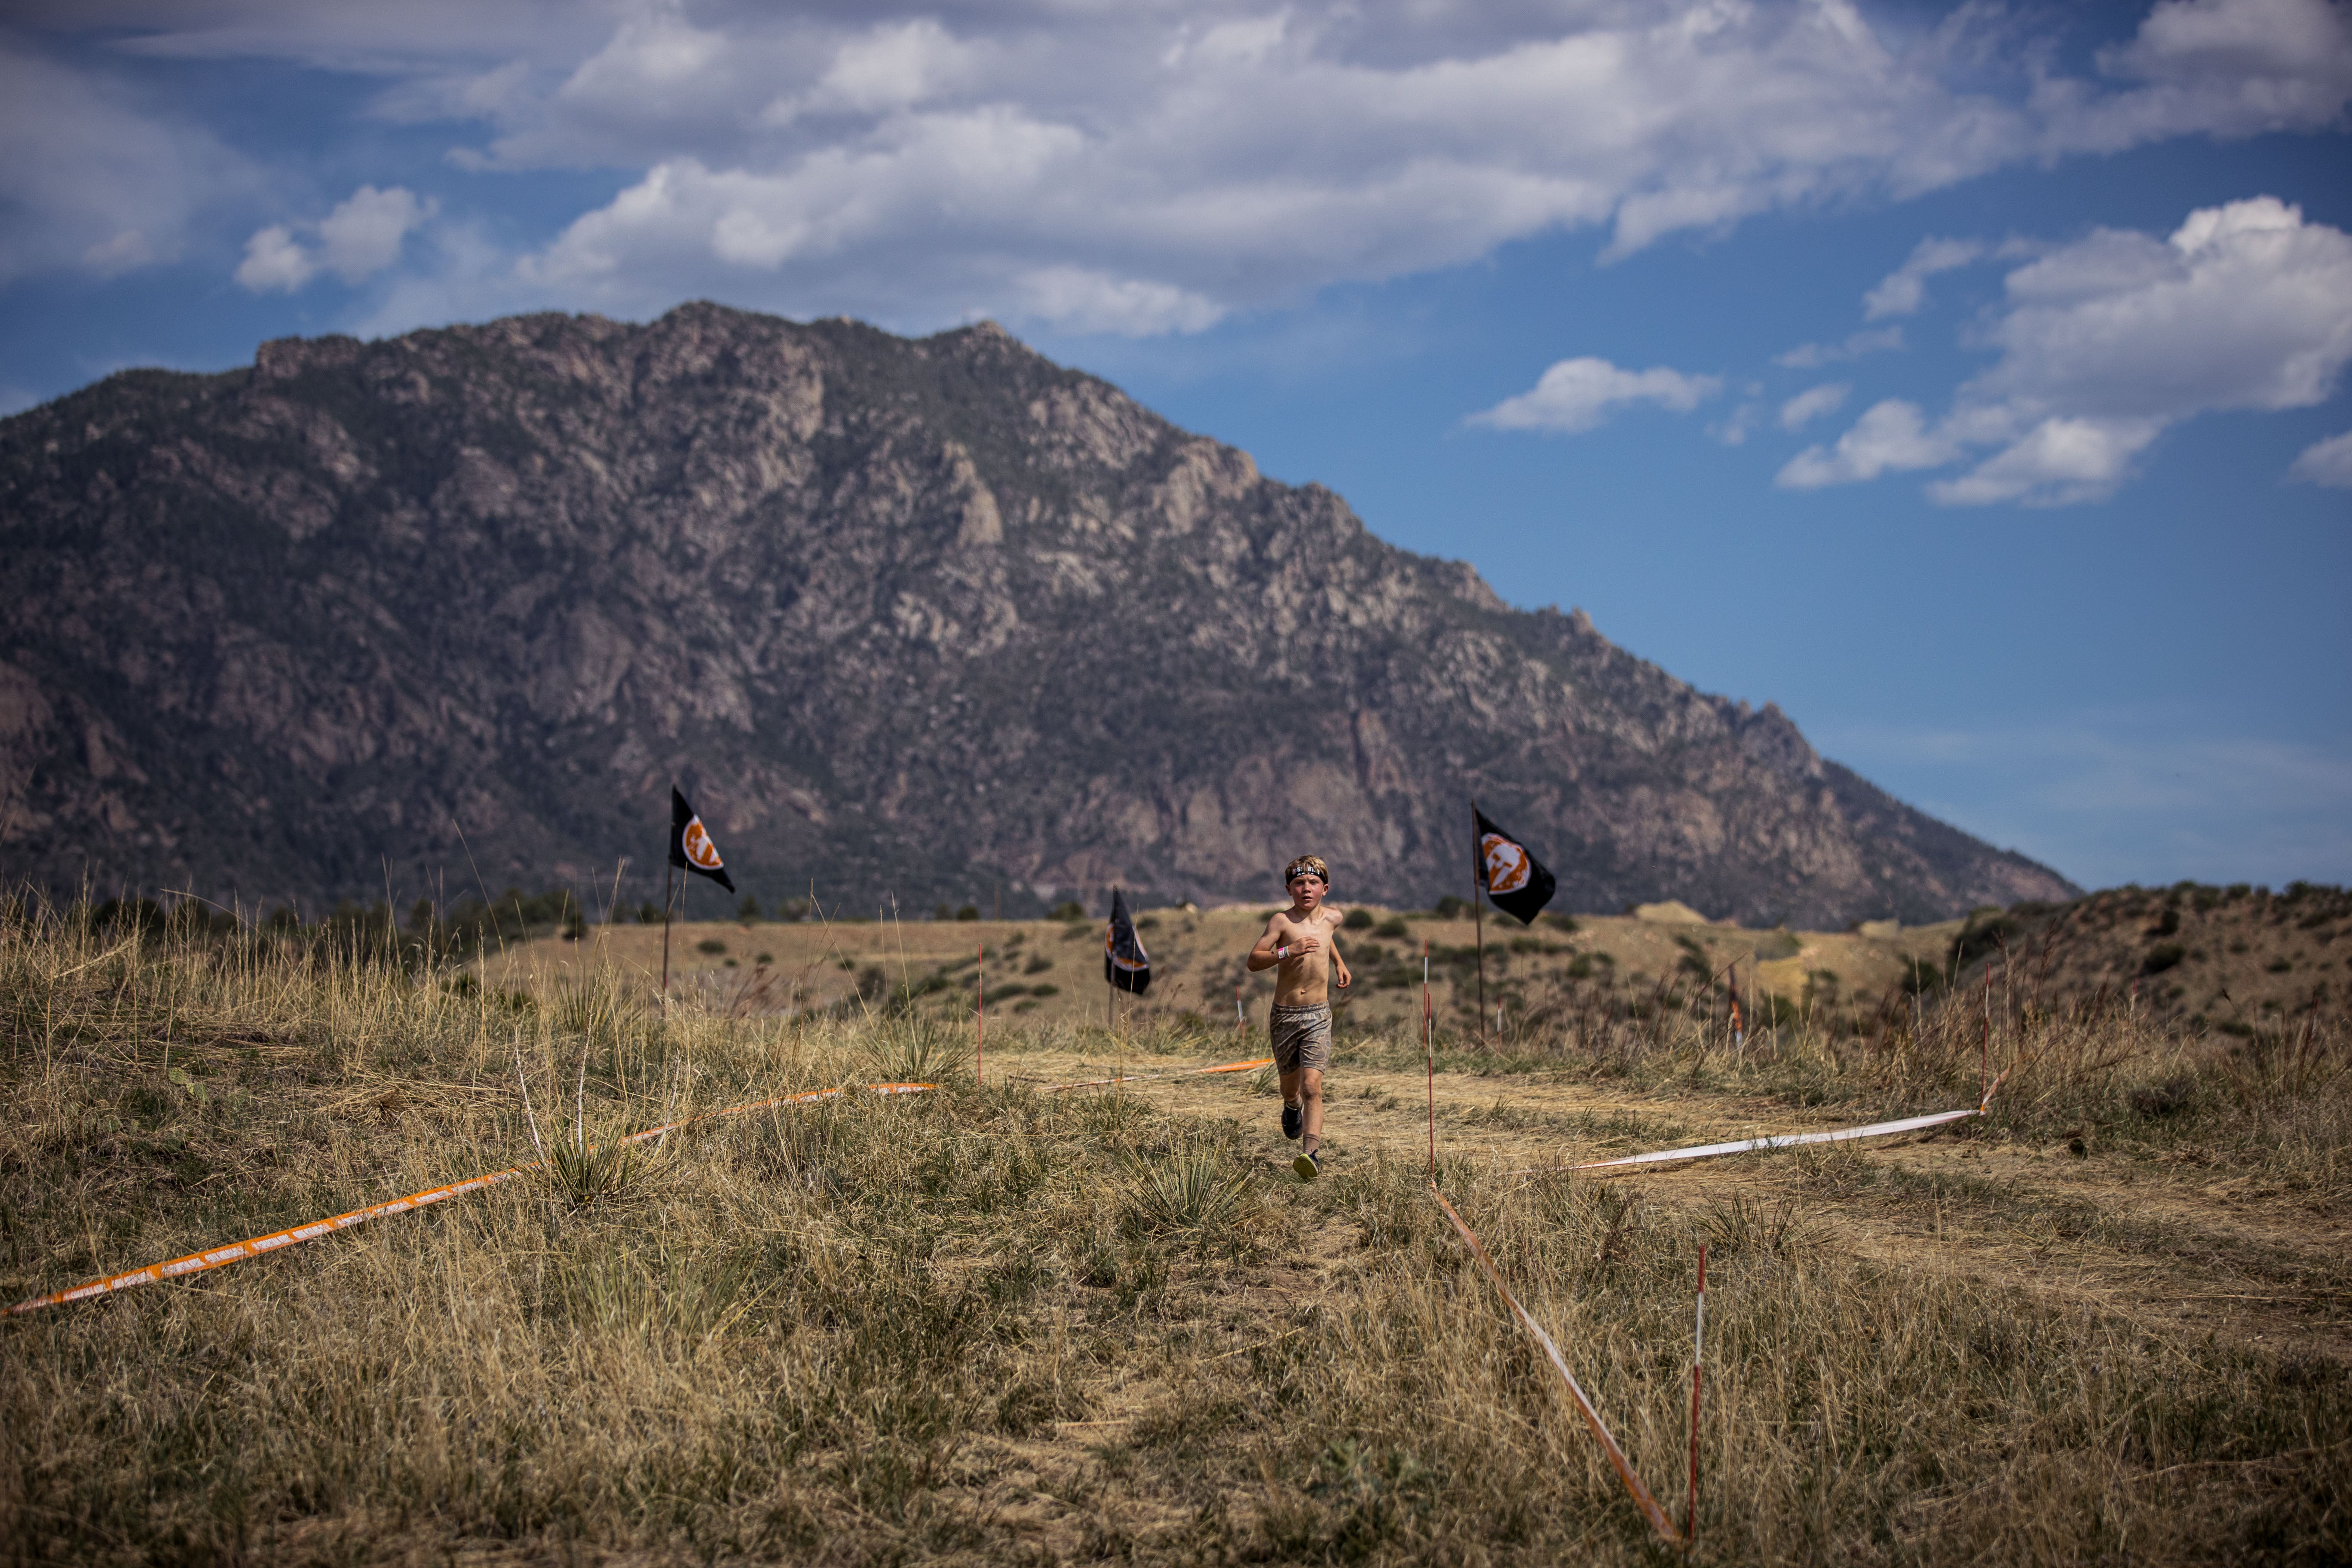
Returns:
(1301,941)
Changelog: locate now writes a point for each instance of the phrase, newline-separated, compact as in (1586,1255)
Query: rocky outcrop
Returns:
(919,618)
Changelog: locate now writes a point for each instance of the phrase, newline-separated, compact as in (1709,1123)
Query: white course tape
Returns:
(1783,1141)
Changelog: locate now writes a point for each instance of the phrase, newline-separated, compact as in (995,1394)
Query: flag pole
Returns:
(1478,914)
(669,875)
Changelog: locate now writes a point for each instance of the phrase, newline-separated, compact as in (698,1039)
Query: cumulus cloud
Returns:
(360,238)
(2328,462)
(1578,394)
(1892,434)
(2107,343)
(1870,341)
(1904,290)
(1807,406)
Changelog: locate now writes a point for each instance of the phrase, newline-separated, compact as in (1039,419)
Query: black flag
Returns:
(691,846)
(1125,963)
(1514,880)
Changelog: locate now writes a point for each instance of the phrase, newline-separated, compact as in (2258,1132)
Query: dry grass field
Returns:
(1048,971)
(2105,1323)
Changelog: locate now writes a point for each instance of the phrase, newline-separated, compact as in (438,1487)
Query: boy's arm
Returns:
(1262,956)
(1274,946)
(1339,964)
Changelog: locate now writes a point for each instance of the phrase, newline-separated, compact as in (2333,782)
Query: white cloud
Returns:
(95,177)
(2328,462)
(1892,434)
(1578,394)
(360,238)
(1810,356)
(1230,155)
(2227,67)
(272,260)
(2107,342)
(363,234)
(1807,406)
(919,165)
(1075,299)
(1904,290)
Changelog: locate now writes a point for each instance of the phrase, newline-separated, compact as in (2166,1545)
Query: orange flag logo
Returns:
(1506,864)
(701,852)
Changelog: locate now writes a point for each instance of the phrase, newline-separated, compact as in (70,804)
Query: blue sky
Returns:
(1967,379)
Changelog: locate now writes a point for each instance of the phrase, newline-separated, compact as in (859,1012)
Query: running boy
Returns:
(1301,941)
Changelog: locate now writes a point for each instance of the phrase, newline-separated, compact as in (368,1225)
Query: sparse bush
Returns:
(1357,920)
(1069,910)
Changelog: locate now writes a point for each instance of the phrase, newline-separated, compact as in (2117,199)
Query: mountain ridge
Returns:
(918,617)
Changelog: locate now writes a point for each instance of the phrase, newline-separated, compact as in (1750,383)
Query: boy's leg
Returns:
(1290,1111)
(1314,1055)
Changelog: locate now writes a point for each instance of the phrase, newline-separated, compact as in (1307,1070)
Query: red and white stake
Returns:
(1698,1358)
(1429,1053)
(980,1019)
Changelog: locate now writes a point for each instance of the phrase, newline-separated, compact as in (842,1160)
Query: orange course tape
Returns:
(1641,1494)
(254,1246)
(1145,1077)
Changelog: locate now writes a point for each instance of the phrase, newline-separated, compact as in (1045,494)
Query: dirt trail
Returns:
(2176,1247)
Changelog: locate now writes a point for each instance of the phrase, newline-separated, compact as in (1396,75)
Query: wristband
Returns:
(1282,953)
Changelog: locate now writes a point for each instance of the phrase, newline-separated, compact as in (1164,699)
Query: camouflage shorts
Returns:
(1302,1038)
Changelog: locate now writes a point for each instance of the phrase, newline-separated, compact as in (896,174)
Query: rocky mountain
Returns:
(924,618)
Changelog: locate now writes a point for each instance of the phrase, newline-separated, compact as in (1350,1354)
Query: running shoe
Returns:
(1309,1166)
(1291,1121)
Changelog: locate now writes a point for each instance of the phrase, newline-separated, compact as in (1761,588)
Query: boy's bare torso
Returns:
(1303,979)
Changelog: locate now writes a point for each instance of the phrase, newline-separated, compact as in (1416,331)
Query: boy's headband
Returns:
(1307,864)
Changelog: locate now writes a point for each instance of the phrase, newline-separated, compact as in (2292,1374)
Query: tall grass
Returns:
(999,1325)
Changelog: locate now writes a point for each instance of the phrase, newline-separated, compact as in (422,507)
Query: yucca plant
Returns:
(588,1169)
(1189,1191)
(914,1050)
